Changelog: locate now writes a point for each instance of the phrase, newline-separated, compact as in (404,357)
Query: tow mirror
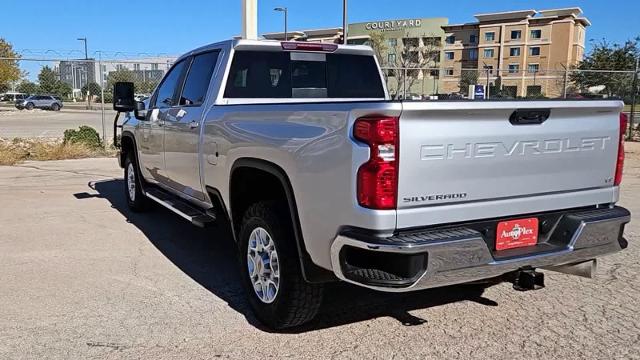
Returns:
(140,111)
(123,97)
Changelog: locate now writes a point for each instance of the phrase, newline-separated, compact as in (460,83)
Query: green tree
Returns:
(467,77)
(93,88)
(606,56)
(28,87)
(48,80)
(122,74)
(9,69)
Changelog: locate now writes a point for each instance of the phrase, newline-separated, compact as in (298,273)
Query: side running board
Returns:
(196,216)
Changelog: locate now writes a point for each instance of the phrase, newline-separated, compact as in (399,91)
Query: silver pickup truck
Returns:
(297,148)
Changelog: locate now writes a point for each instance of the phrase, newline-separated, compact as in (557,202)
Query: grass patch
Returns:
(17,150)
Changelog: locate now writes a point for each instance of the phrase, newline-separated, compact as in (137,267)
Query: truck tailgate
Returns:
(456,152)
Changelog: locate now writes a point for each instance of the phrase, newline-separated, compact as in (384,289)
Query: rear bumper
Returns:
(463,253)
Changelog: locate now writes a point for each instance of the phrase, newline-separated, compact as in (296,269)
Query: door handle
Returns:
(193,124)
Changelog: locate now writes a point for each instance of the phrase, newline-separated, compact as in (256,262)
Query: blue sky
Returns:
(137,26)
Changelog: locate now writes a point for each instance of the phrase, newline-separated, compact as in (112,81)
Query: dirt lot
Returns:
(82,277)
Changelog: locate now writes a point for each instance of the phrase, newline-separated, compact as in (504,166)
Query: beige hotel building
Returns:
(527,50)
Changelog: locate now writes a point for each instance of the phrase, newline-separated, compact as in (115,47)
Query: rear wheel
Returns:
(270,269)
(29,106)
(55,107)
(136,199)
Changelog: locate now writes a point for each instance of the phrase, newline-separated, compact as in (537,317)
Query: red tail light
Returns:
(620,163)
(378,177)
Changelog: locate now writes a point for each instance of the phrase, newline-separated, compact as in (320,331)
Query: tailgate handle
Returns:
(529,116)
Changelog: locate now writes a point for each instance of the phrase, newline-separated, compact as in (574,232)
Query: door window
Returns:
(166,94)
(197,81)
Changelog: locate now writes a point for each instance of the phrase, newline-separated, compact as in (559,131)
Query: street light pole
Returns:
(344,22)
(84,39)
(86,64)
(285,11)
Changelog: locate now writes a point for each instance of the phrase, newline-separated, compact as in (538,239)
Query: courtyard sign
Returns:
(393,24)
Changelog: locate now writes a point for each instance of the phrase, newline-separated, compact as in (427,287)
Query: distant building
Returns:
(77,73)
(527,50)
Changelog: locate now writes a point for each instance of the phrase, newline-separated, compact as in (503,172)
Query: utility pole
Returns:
(285,11)
(104,127)
(344,22)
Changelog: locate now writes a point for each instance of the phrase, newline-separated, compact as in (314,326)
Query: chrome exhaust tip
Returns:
(585,269)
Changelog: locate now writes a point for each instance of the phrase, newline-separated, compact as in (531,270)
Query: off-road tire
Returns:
(296,301)
(139,202)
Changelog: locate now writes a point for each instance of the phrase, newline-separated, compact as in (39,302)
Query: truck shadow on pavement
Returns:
(208,256)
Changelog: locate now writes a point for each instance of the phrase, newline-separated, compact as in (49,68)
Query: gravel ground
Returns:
(82,277)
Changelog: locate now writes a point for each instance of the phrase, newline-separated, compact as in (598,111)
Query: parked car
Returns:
(40,102)
(13,96)
(298,150)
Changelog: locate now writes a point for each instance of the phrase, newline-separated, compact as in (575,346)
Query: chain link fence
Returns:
(88,83)
(516,83)
(83,84)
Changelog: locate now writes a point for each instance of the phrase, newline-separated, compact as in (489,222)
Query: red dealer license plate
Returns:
(517,233)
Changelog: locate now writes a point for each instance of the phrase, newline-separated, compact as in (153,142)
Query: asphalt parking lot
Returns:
(82,277)
(49,124)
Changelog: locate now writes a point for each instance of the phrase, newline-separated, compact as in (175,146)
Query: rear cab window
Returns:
(303,75)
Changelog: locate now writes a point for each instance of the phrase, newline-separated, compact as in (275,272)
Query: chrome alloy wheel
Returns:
(263,265)
(131,182)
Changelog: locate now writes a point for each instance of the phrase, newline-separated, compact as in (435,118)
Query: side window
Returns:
(259,74)
(198,78)
(165,96)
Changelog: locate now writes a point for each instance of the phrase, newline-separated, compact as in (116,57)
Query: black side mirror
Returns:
(123,97)
(140,111)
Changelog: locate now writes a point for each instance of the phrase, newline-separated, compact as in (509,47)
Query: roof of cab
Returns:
(271,45)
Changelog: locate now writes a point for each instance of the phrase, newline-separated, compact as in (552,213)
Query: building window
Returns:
(473,54)
(448,72)
(534,68)
(534,51)
(432,41)
(449,55)
(136,66)
(516,34)
(391,58)
(534,90)
(489,68)
(450,39)
(392,43)
(154,66)
(514,51)
(510,91)
(536,34)
(412,42)
(473,39)
(488,53)
(490,36)
(514,68)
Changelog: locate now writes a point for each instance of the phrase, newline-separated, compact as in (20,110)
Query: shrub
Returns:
(85,135)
